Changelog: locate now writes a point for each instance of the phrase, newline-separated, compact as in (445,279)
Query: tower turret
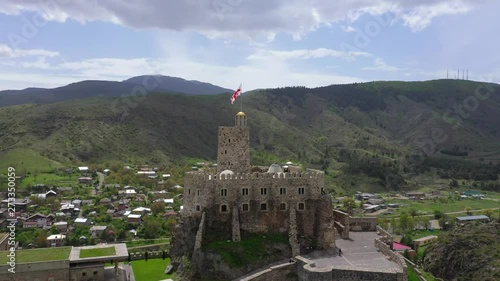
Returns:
(234,146)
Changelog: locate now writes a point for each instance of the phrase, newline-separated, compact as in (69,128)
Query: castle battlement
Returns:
(206,176)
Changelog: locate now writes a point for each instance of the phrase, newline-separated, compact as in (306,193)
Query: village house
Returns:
(38,221)
(365,196)
(424,240)
(56,240)
(85,180)
(83,170)
(64,190)
(105,202)
(466,219)
(97,230)
(82,221)
(87,202)
(415,195)
(141,210)
(62,226)
(134,218)
(21,204)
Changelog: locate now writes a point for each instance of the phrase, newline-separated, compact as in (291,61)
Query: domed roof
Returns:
(275,168)
(226,172)
(241,113)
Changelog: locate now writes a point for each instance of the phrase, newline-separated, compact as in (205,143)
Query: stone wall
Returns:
(362,224)
(395,257)
(219,196)
(280,272)
(87,273)
(386,237)
(58,270)
(342,223)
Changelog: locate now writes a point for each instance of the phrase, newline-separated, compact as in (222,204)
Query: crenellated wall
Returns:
(219,195)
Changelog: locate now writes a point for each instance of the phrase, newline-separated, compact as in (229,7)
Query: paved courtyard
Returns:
(359,251)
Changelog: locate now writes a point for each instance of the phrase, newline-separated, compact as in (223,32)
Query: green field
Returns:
(99,252)
(133,244)
(38,255)
(28,160)
(428,206)
(422,233)
(49,179)
(151,270)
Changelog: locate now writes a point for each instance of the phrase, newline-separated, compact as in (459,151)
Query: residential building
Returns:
(56,240)
(424,240)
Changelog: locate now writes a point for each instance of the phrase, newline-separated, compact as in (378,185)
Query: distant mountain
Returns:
(176,85)
(89,89)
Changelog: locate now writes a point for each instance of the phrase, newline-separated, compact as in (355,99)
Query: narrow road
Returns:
(99,186)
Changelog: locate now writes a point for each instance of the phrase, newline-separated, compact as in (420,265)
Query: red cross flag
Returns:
(236,94)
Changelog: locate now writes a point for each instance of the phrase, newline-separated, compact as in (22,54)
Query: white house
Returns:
(56,240)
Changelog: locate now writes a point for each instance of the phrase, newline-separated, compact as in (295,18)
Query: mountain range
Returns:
(87,89)
(377,135)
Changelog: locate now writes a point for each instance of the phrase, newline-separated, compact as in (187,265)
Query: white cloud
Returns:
(8,52)
(270,55)
(420,17)
(242,18)
(379,64)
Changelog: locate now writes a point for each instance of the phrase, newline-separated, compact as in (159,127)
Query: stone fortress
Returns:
(237,200)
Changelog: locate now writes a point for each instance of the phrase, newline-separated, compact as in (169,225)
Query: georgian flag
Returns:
(236,94)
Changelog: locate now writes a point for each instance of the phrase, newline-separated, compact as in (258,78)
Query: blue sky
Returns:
(262,43)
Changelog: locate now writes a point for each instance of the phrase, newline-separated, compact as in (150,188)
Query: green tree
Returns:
(413,212)
(151,228)
(349,204)
(438,214)
(158,208)
(403,222)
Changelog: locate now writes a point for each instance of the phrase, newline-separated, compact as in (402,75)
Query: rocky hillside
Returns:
(467,253)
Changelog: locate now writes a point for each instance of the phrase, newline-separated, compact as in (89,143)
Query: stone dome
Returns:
(275,168)
(226,172)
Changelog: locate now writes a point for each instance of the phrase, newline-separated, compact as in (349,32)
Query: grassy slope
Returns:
(27,159)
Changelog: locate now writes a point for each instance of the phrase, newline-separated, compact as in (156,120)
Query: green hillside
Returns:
(378,135)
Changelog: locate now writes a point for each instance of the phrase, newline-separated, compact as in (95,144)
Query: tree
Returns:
(403,222)
(158,208)
(349,204)
(41,239)
(171,222)
(151,228)
(454,183)
(413,212)
(438,214)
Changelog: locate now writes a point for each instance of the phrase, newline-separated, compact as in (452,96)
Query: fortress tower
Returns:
(234,146)
(234,203)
